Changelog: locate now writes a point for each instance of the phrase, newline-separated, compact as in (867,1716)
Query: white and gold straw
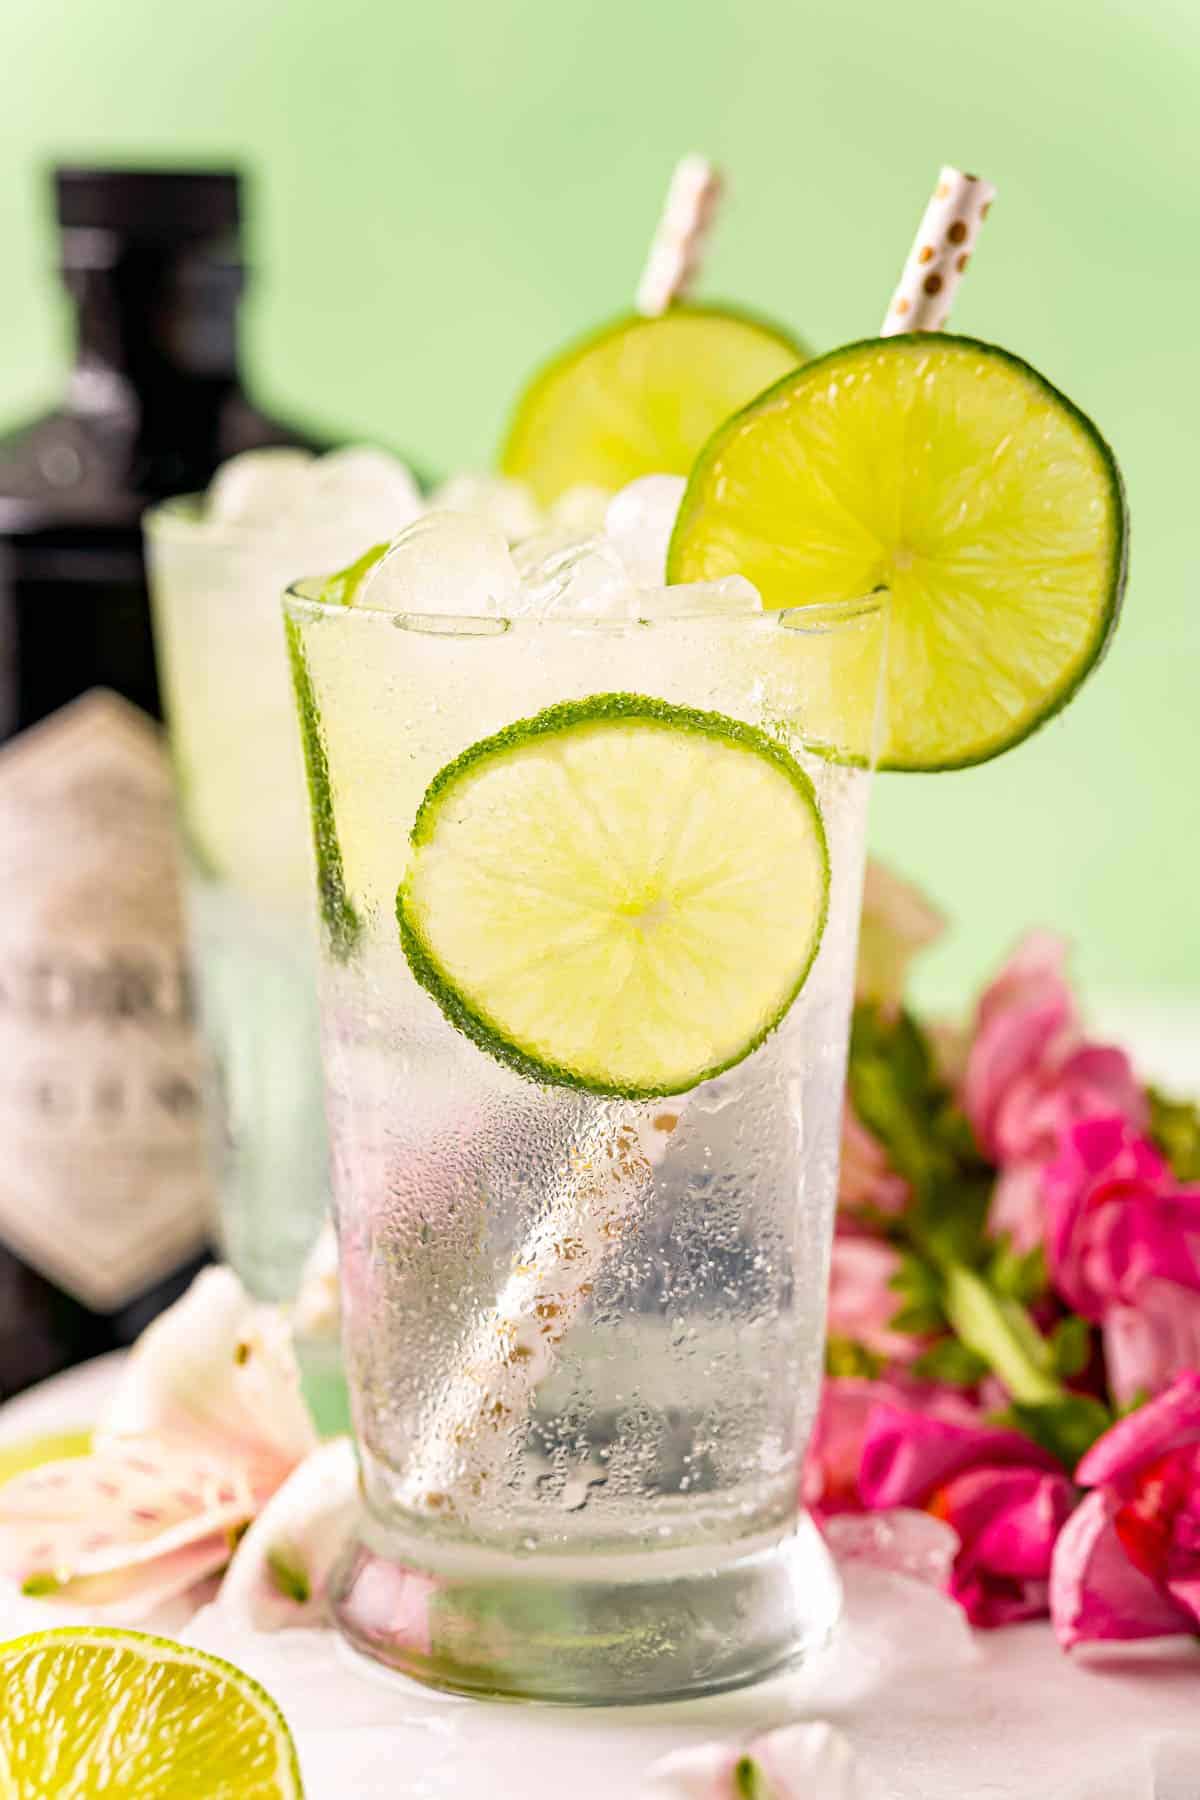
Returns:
(940,253)
(678,245)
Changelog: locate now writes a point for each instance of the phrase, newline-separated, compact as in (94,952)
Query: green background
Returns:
(443,193)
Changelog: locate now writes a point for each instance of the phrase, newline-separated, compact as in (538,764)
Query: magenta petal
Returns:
(1095,1591)
(906,1455)
(1008,1518)
(1172,1419)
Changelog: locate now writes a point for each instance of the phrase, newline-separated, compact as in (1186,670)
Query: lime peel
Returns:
(634,907)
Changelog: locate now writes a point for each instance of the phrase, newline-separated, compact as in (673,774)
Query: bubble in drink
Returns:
(444,562)
(260,487)
(369,492)
(508,505)
(639,521)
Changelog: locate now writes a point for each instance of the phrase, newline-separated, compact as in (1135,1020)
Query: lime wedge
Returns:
(99,1712)
(640,397)
(618,894)
(955,476)
(338,915)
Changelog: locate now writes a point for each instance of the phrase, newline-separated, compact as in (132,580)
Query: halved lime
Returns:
(90,1711)
(640,397)
(618,894)
(338,914)
(952,474)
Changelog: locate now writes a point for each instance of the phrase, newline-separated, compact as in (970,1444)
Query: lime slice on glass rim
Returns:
(640,397)
(618,894)
(952,474)
(97,1711)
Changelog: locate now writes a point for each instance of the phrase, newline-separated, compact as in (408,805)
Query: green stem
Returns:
(1002,1333)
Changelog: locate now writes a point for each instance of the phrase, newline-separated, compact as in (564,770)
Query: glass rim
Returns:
(815,617)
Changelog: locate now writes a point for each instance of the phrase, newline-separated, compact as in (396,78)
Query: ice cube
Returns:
(445,562)
(581,510)
(508,505)
(584,581)
(732,597)
(369,492)
(639,522)
(260,487)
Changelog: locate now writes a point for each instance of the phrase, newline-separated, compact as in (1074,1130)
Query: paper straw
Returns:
(464,1443)
(940,253)
(675,253)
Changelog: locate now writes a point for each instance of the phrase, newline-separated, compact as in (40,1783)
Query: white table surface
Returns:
(934,1711)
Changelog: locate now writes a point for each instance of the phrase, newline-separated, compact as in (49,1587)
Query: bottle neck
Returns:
(156,329)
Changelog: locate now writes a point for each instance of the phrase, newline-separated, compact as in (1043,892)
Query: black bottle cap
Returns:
(150,206)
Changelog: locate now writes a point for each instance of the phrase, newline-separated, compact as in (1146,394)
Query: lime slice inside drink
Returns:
(640,397)
(90,1711)
(952,474)
(618,894)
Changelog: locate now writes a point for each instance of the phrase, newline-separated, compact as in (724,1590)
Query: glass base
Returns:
(587,1630)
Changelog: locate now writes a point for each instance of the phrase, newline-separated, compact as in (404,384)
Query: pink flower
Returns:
(1005,1497)
(866,1181)
(862,1302)
(791,1763)
(1127,1565)
(1031,1075)
(1123,1240)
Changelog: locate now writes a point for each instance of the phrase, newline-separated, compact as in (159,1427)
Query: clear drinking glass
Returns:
(244,813)
(610,1516)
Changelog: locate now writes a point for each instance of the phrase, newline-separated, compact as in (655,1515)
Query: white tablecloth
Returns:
(934,1712)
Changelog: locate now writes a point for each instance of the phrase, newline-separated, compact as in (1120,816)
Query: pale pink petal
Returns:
(897,923)
(219,1369)
(1095,1591)
(127,1596)
(280,1570)
(697,1772)
(1017,1208)
(866,1180)
(862,1301)
(1172,1419)
(1147,1344)
(120,1506)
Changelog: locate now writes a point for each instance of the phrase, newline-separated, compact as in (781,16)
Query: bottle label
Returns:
(103,1182)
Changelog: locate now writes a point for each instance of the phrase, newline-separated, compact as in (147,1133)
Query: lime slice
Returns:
(640,397)
(90,1711)
(617,894)
(338,914)
(952,474)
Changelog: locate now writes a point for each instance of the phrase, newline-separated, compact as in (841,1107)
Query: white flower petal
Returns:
(279,1572)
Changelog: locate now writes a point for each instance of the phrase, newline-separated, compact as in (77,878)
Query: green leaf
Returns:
(1066,1427)
(845,1357)
(1000,1332)
(1175,1128)
(1018,1276)
(1071,1345)
(920,1289)
(952,1362)
(288,1577)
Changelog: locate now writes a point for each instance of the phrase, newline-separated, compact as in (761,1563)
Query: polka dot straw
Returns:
(940,253)
(687,217)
